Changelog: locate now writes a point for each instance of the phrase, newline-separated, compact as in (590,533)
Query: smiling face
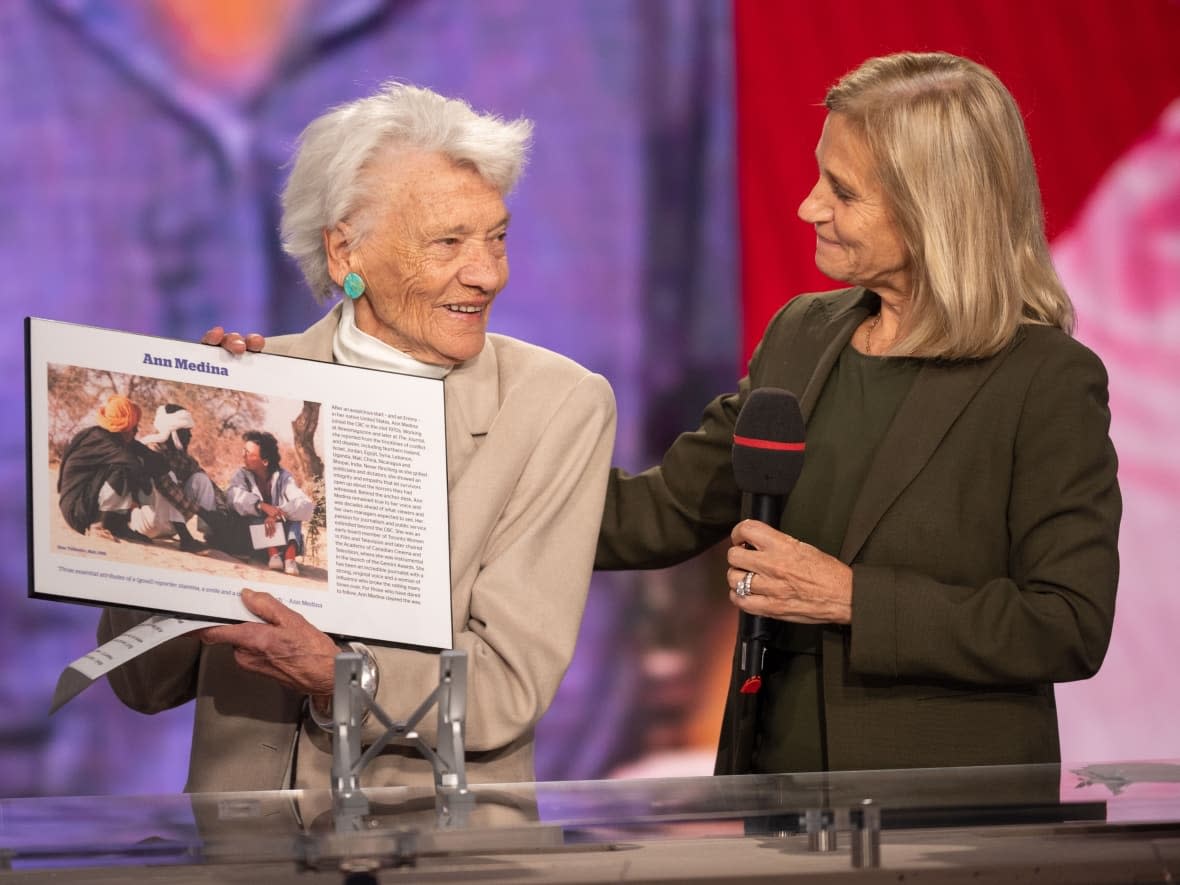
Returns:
(856,238)
(435,260)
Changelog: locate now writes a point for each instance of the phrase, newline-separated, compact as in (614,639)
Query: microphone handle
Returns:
(755,629)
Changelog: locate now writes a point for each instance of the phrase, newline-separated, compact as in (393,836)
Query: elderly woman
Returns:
(398,200)
(950,549)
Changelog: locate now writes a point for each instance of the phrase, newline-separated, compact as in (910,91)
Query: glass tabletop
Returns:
(400,824)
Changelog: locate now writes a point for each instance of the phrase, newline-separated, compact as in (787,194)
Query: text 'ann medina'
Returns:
(182,363)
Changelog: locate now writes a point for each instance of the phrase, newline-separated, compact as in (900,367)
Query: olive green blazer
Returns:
(983,544)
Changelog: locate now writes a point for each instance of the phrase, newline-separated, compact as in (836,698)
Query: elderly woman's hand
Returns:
(287,648)
(234,342)
(790,580)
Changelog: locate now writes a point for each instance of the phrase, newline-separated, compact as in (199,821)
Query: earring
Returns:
(354,285)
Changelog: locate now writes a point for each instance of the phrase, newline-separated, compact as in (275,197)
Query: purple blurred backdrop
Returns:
(141,150)
(142,147)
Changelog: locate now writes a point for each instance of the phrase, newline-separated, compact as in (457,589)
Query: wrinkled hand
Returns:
(234,342)
(793,581)
(286,647)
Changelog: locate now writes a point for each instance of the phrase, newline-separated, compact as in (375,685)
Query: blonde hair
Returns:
(950,148)
(327,183)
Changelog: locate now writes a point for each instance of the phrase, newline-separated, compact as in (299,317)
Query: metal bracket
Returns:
(349,705)
(862,823)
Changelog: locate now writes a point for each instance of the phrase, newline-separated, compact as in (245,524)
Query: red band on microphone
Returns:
(751,685)
(771,444)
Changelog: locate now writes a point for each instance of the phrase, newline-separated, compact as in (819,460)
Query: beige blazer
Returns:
(529,439)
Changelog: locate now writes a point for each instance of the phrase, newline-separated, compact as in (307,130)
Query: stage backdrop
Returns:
(142,147)
(142,150)
(1099,84)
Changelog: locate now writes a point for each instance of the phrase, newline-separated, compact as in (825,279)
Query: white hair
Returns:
(327,183)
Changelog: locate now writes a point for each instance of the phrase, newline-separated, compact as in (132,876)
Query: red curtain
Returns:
(1090,75)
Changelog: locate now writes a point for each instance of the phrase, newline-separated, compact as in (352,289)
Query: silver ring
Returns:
(743,585)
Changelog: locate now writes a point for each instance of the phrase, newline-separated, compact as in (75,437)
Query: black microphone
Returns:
(768,445)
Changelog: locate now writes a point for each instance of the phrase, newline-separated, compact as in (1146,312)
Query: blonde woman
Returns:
(950,549)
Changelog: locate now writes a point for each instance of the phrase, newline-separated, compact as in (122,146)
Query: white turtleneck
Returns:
(356,348)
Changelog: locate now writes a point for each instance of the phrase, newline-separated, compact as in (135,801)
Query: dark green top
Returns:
(983,543)
(858,402)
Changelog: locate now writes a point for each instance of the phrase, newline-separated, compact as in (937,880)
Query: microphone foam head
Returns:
(768,442)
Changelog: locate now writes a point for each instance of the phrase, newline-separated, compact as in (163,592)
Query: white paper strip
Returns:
(89,668)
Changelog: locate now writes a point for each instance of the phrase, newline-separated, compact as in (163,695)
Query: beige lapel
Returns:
(472,397)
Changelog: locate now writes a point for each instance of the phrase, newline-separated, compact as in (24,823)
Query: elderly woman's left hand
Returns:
(791,580)
(286,647)
(234,342)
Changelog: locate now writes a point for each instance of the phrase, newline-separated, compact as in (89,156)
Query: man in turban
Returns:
(184,491)
(104,471)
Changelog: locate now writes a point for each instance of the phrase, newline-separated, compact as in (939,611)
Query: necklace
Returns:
(872,327)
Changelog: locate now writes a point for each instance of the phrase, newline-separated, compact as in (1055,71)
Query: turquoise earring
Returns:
(354,286)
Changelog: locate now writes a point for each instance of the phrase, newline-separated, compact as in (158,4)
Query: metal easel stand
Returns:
(350,806)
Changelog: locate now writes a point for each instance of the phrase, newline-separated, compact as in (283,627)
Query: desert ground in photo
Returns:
(165,553)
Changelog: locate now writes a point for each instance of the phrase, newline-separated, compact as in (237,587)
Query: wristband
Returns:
(370,680)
